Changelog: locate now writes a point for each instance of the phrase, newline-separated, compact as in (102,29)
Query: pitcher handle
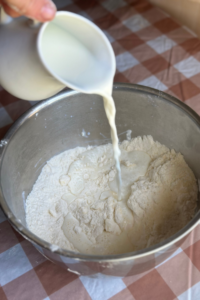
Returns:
(4,18)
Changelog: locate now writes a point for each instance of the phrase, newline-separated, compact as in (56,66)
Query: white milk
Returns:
(110,110)
(75,64)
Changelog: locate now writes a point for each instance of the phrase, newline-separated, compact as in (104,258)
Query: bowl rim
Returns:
(31,237)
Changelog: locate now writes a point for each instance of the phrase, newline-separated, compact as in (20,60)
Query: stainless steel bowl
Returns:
(56,124)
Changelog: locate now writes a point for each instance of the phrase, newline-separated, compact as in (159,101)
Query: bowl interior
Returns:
(55,125)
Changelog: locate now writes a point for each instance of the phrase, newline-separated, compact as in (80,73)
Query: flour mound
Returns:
(74,202)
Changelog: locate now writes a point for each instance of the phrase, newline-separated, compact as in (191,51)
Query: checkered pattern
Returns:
(153,50)
(26,274)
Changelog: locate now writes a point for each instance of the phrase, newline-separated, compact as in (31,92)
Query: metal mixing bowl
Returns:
(56,124)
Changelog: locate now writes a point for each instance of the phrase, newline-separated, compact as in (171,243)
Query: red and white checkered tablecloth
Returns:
(153,50)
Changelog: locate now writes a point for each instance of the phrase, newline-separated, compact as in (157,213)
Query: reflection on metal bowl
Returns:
(56,124)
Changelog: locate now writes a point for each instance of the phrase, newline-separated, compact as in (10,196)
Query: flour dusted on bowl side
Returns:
(74,203)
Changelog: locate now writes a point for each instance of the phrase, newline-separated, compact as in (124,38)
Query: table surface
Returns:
(151,49)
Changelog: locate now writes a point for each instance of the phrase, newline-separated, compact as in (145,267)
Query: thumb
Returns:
(41,10)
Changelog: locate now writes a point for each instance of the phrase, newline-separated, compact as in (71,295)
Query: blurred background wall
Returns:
(187,12)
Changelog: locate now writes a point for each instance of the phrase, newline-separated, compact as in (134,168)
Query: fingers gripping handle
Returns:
(5,19)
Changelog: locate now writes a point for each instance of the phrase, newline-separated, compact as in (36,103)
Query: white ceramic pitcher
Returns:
(33,64)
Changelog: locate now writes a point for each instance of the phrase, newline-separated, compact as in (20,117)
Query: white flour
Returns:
(74,203)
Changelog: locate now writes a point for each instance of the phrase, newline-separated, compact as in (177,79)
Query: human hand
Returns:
(41,10)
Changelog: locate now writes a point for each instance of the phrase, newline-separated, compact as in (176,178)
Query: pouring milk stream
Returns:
(76,63)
